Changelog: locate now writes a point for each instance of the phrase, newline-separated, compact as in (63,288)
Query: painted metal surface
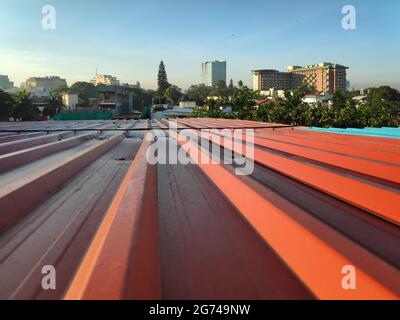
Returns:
(373,132)
(316,202)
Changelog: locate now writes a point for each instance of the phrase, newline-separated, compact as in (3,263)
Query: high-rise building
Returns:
(5,83)
(266,79)
(105,79)
(45,83)
(325,77)
(213,72)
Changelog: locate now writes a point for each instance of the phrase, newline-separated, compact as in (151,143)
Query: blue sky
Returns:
(128,38)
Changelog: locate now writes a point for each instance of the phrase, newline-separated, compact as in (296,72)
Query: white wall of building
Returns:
(106,80)
(70,100)
(187,104)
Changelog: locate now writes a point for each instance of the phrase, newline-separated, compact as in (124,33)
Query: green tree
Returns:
(5,105)
(23,107)
(338,100)
(323,116)
(338,103)
(383,107)
(198,93)
(162,79)
(86,92)
(214,108)
(292,107)
(174,94)
(270,111)
(60,90)
(302,115)
(348,116)
(243,103)
(220,90)
(55,105)
(377,113)
(385,93)
(142,98)
(231,86)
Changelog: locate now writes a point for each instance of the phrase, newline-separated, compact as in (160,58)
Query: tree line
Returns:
(381,108)
(21,106)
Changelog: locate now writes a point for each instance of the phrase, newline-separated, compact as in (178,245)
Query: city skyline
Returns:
(255,35)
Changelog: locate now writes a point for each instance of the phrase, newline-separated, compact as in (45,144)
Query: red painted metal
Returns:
(318,260)
(315,203)
(360,150)
(366,196)
(386,144)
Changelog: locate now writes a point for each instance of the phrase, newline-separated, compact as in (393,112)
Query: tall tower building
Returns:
(213,72)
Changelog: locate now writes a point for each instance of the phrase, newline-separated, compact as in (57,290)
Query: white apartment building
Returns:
(105,79)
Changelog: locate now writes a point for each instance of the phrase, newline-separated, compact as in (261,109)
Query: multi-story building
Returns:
(324,77)
(49,83)
(5,83)
(105,79)
(266,79)
(213,72)
(41,86)
(117,99)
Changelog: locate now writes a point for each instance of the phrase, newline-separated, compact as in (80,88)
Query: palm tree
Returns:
(23,107)
(55,104)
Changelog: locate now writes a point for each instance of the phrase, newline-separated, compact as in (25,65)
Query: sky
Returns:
(128,38)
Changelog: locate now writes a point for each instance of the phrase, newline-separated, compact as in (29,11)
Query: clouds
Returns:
(129,38)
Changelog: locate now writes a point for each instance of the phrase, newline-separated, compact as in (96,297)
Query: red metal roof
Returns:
(117,227)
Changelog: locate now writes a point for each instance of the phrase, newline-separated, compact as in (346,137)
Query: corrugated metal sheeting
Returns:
(316,207)
(373,132)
